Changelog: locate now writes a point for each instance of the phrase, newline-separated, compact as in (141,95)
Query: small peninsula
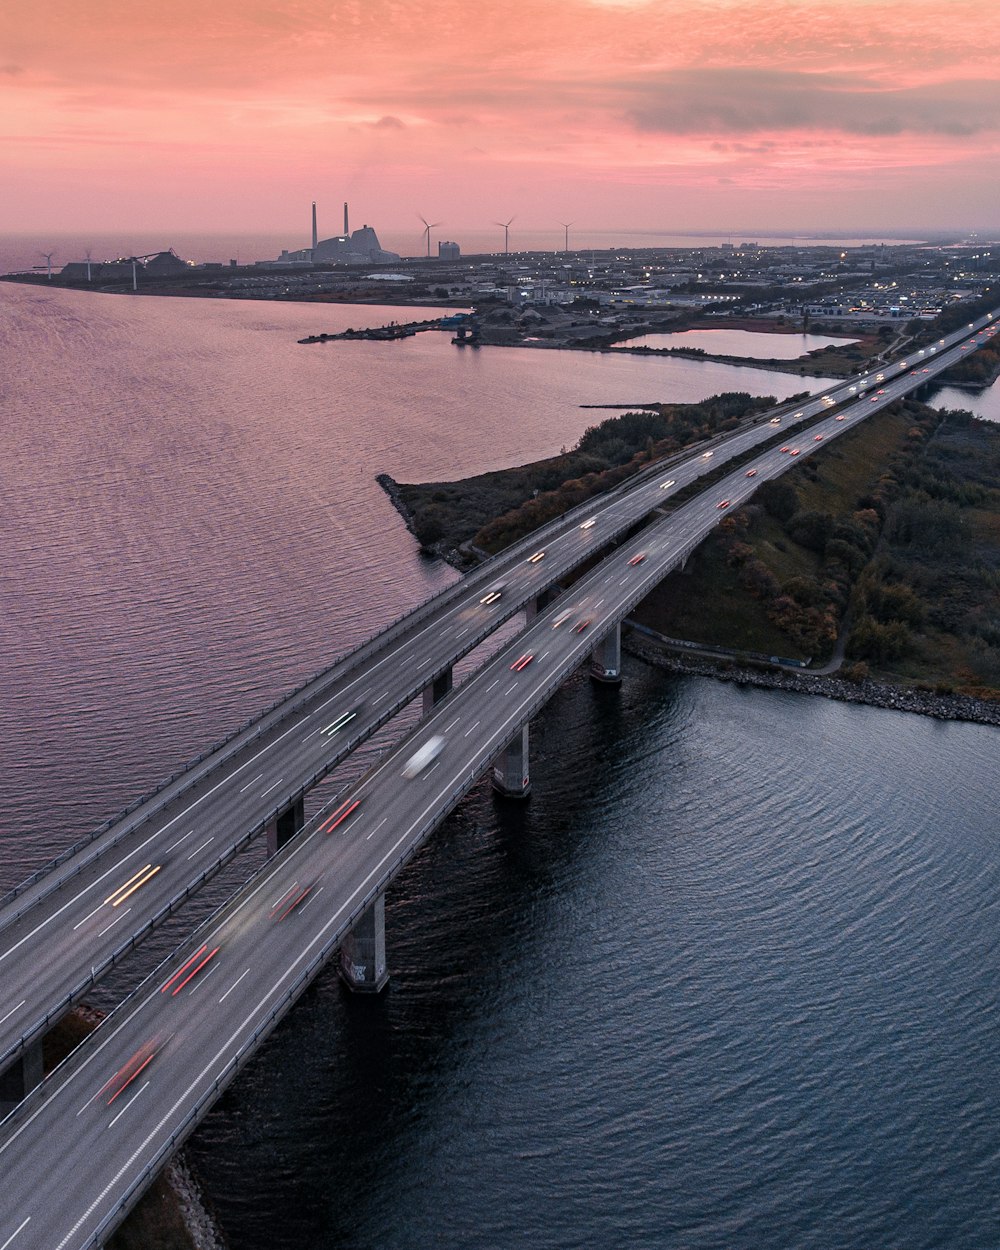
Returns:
(877,559)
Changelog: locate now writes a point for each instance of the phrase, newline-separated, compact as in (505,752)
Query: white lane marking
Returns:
(243,789)
(461,633)
(202,847)
(190,1088)
(264,793)
(542,656)
(145,1085)
(12,1010)
(310,898)
(234,985)
(202,980)
(474,727)
(380,698)
(115,868)
(284,895)
(452,725)
(20,1229)
(101,932)
(87,917)
(514,687)
(496,683)
(179,841)
(377,828)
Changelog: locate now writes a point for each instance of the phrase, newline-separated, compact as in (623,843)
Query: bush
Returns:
(778,498)
(811,529)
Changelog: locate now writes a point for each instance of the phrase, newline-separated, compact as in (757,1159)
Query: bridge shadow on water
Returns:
(305,1148)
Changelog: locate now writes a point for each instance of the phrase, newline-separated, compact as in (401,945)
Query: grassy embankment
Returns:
(157,1222)
(894,528)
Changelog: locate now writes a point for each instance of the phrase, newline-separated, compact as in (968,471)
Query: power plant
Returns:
(358,248)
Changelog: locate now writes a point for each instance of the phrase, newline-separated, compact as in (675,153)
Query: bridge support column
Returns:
(606,659)
(436,691)
(540,603)
(285,826)
(362,952)
(510,772)
(20,1078)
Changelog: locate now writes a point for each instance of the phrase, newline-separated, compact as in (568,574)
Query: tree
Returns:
(811,529)
(778,498)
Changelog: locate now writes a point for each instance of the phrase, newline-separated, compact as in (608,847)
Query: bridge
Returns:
(79,1149)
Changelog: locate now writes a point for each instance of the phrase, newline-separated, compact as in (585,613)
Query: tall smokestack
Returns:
(346,227)
(315,235)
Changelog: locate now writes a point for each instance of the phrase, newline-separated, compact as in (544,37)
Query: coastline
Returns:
(953,707)
(872,693)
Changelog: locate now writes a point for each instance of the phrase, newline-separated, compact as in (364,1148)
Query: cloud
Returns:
(739,101)
(387,123)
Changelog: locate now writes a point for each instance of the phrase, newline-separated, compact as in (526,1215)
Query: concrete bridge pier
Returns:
(362,952)
(438,688)
(285,826)
(540,603)
(17,1082)
(510,772)
(606,658)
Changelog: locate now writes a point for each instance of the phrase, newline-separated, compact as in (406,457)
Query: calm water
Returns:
(729,979)
(751,343)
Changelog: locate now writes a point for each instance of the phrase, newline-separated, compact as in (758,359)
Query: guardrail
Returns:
(286,999)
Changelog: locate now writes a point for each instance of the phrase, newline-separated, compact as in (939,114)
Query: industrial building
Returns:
(358,247)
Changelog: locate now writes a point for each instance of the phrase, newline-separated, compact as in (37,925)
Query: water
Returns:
(749,343)
(729,979)
(983,403)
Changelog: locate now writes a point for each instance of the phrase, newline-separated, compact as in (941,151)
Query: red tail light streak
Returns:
(339,816)
(190,969)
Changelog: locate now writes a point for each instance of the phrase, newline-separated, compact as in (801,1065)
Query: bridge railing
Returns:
(251,730)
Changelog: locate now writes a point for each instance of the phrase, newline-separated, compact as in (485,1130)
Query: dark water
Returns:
(730,979)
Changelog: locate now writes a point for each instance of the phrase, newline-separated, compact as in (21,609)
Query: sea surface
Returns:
(730,978)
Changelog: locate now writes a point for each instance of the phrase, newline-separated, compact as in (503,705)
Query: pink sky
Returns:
(647,114)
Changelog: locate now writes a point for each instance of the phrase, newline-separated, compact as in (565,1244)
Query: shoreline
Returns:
(949,707)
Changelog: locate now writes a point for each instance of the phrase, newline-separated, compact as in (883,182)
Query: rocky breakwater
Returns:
(874,694)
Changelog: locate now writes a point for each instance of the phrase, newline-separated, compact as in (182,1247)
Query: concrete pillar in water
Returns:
(606,659)
(285,826)
(436,691)
(21,1077)
(362,952)
(510,772)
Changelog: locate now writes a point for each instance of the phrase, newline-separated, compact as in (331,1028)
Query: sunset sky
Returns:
(652,114)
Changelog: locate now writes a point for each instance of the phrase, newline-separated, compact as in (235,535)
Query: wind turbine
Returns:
(506,234)
(48,262)
(428,226)
(566,225)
